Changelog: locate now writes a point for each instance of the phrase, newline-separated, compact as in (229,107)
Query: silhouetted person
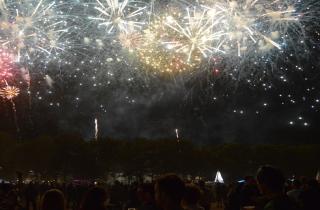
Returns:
(249,191)
(146,197)
(220,194)
(271,184)
(169,190)
(310,196)
(118,194)
(70,195)
(295,192)
(53,200)
(131,199)
(31,196)
(207,195)
(233,201)
(95,199)
(191,198)
(9,200)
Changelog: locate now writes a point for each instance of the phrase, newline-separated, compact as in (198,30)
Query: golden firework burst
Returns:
(9,92)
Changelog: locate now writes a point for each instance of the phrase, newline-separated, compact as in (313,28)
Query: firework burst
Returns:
(153,53)
(123,17)
(241,25)
(9,92)
(197,35)
(32,28)
(131,41)
(257,26)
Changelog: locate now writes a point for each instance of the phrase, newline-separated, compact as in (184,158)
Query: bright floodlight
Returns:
(218,178)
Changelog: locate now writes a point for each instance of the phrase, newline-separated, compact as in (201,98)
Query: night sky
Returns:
(256,98)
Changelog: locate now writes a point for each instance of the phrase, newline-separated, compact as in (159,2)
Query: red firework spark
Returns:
(7,64)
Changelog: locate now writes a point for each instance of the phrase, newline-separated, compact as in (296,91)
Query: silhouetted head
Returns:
(296,184)
(313,184)
(270,180)
(192,195)
(169,190)
(53,200)
(145,193)
(201,184)
(250,180)
(95,199)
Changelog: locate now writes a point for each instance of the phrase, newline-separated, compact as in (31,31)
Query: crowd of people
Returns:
(268,190)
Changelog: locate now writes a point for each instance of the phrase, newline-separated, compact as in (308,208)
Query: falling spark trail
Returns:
(177,135)
(15,118)
(272,42)
(96,128)
(26,76)
(2,5)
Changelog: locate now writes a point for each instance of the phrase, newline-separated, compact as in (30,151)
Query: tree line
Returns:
(70,155)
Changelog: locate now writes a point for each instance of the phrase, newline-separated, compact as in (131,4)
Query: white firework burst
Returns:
(194,34)
(32,28)
(125,16)
(256,26)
